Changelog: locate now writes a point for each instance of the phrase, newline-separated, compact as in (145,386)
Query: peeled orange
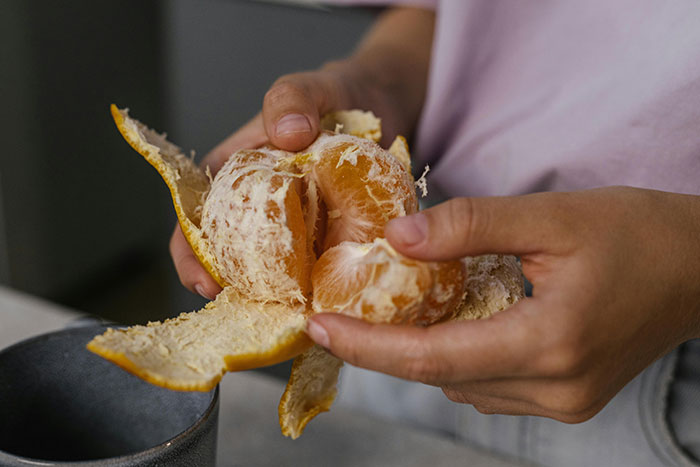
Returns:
(287,235)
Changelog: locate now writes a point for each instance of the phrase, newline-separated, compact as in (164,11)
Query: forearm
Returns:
(388,71)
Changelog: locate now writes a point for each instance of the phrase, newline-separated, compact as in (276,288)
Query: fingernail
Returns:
(411,229)
(292,123)
(200,290)
(318,334)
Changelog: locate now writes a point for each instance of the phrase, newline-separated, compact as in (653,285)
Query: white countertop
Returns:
(248,431)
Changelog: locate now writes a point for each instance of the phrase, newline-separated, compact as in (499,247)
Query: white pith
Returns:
(250,246)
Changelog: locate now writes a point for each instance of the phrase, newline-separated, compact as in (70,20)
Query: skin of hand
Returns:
(615,271)
(386,74)
(616,283)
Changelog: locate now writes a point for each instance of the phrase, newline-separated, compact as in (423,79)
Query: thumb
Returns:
(294,104)
(440,353)
(472,226)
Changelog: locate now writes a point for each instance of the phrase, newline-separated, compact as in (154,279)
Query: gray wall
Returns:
(79,213)
(84,221)
(223,55)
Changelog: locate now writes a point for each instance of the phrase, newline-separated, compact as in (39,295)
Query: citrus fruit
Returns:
(290,234)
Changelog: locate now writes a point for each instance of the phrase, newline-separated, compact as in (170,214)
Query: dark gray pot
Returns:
(62,405)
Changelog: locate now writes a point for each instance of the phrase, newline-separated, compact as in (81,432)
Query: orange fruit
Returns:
(250,333)
(188,184)
(371,281)
(254,224)
(258,228)
(362,188)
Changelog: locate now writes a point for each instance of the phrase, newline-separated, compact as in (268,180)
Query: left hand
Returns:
(616,275)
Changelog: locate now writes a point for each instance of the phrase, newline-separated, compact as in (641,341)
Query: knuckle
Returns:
(349,353)
(282,91)
(560,362)
(465,220)
(420,364)
(565,356)
(576,418)
(455,395)
(577,414)
(574,403)
(459,214)
(485,409)
(419,370)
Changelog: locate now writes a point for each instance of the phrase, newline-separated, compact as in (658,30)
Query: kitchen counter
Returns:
(248,431)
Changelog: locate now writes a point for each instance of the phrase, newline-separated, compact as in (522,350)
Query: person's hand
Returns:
(290,120)
(387,74)
(616,275)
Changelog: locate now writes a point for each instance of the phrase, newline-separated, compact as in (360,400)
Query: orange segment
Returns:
(192,352)
(311,390)
(258,229)
(254,221)
(363,187)
(375,283)
(315,217)
(188,184)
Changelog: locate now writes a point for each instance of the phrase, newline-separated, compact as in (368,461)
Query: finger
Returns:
(487,404)
(502,346)
(472,226)
(293,106)
(569,401)
(249,136)
(189,270)
(492,405)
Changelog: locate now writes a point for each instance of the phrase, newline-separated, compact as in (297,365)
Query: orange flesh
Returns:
(375,283)
(353,190)
(231,242)
(361,197)
(299,264)
(363,189)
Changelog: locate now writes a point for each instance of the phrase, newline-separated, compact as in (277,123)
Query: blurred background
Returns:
(84,220)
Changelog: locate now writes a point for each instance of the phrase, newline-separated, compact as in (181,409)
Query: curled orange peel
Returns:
(187,182)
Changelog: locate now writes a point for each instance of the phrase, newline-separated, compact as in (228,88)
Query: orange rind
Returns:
(188,183)
(192,351)
(310,391)
(287,235)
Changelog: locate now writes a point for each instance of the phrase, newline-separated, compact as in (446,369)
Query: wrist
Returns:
(367,87)
(696,280)
(683,213)
(388,71)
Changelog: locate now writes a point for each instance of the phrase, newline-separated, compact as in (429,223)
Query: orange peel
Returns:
(188,183)
(310,391)
(242,329)
(192,351)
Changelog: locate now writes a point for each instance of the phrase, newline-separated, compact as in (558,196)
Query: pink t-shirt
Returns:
(546,95)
